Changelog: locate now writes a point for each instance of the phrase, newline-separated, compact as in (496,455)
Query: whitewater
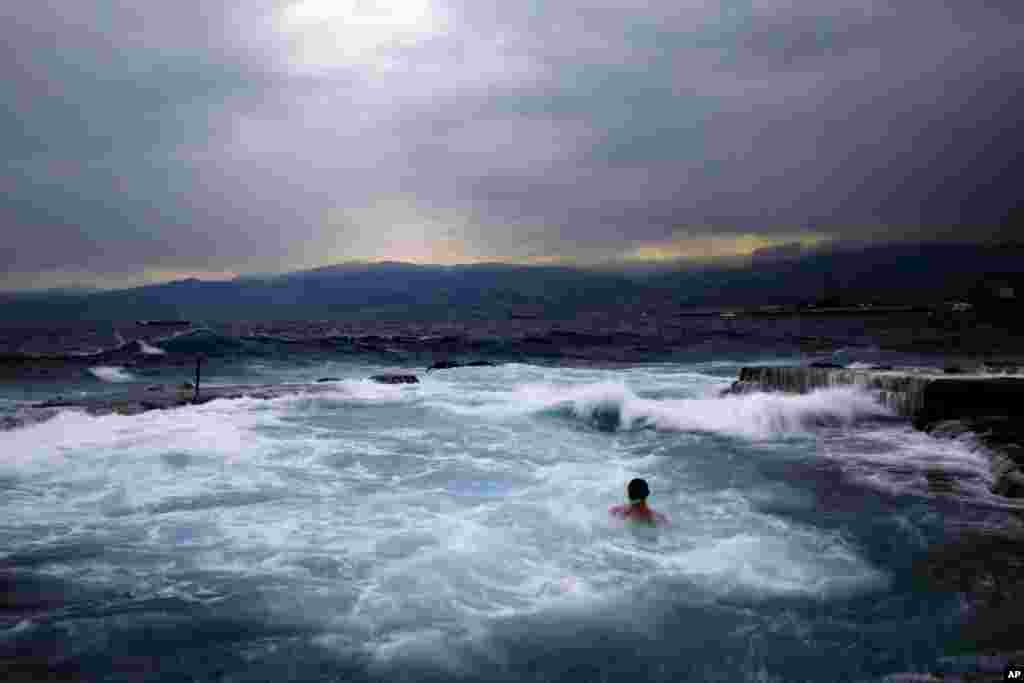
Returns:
(457,529)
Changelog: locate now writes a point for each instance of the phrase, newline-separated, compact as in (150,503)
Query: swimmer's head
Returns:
(637,490)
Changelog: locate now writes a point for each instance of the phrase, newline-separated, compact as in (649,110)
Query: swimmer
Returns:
(637,510)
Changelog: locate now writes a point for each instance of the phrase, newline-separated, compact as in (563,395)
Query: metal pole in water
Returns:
(195,396)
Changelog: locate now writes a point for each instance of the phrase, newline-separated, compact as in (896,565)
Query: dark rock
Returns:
(988,571)
(395,378)
(940,481)
(154,387)
(740,387)
(974,398)
(816,343)
(538,339)
(58,402)
(329,379)
(447,364)
(948,429)
(881,367)
(1010,485)
(996,430)
(822,364)
(1014,453)
(974,564)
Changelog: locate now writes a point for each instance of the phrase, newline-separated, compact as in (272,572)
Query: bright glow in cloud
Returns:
(336,33)
(226,135)
(396,229)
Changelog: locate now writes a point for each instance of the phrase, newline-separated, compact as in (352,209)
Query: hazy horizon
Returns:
(784,252)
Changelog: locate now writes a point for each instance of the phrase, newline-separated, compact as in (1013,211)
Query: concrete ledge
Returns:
(924,395)
(141,399)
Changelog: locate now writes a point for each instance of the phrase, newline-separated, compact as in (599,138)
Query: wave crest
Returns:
(613,406)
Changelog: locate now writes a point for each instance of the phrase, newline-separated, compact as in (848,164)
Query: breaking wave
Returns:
(612,406)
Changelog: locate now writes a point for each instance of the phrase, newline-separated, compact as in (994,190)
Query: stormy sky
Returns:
(149,141)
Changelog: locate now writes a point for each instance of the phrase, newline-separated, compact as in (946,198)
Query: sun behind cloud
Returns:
(338,33)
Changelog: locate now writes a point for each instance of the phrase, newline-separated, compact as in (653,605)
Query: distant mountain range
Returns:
(895,273)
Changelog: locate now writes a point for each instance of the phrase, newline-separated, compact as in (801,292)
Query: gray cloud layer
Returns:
(204,136)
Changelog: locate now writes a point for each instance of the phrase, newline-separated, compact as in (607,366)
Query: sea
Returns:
(458,529)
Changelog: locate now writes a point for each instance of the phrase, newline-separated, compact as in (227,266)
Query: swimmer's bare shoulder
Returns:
(637,510)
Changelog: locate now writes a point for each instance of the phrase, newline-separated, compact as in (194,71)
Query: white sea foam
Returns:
(111,373)
(766,415)
(613,405)
(406,517)
(354,390)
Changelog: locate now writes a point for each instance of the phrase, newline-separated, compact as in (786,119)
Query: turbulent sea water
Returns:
(458,529)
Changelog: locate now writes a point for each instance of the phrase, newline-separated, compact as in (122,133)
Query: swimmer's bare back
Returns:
(638,514)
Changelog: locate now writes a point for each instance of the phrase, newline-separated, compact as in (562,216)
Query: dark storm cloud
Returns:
(104,108)
(235,136)
(768,119)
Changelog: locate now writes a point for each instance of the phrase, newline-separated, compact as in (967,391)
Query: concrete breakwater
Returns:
(988,408)
(139,399)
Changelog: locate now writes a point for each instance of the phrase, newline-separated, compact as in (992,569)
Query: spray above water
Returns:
(111,373)
(613,406)
(150,350)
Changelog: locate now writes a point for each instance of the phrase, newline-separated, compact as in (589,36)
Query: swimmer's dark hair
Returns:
(638,489)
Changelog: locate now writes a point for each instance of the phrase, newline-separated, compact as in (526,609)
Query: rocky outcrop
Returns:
(986,568)
(924,395)
(395,378)
(991,406)
(447,365)
(1002,437)
(135,400)
(140,399)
